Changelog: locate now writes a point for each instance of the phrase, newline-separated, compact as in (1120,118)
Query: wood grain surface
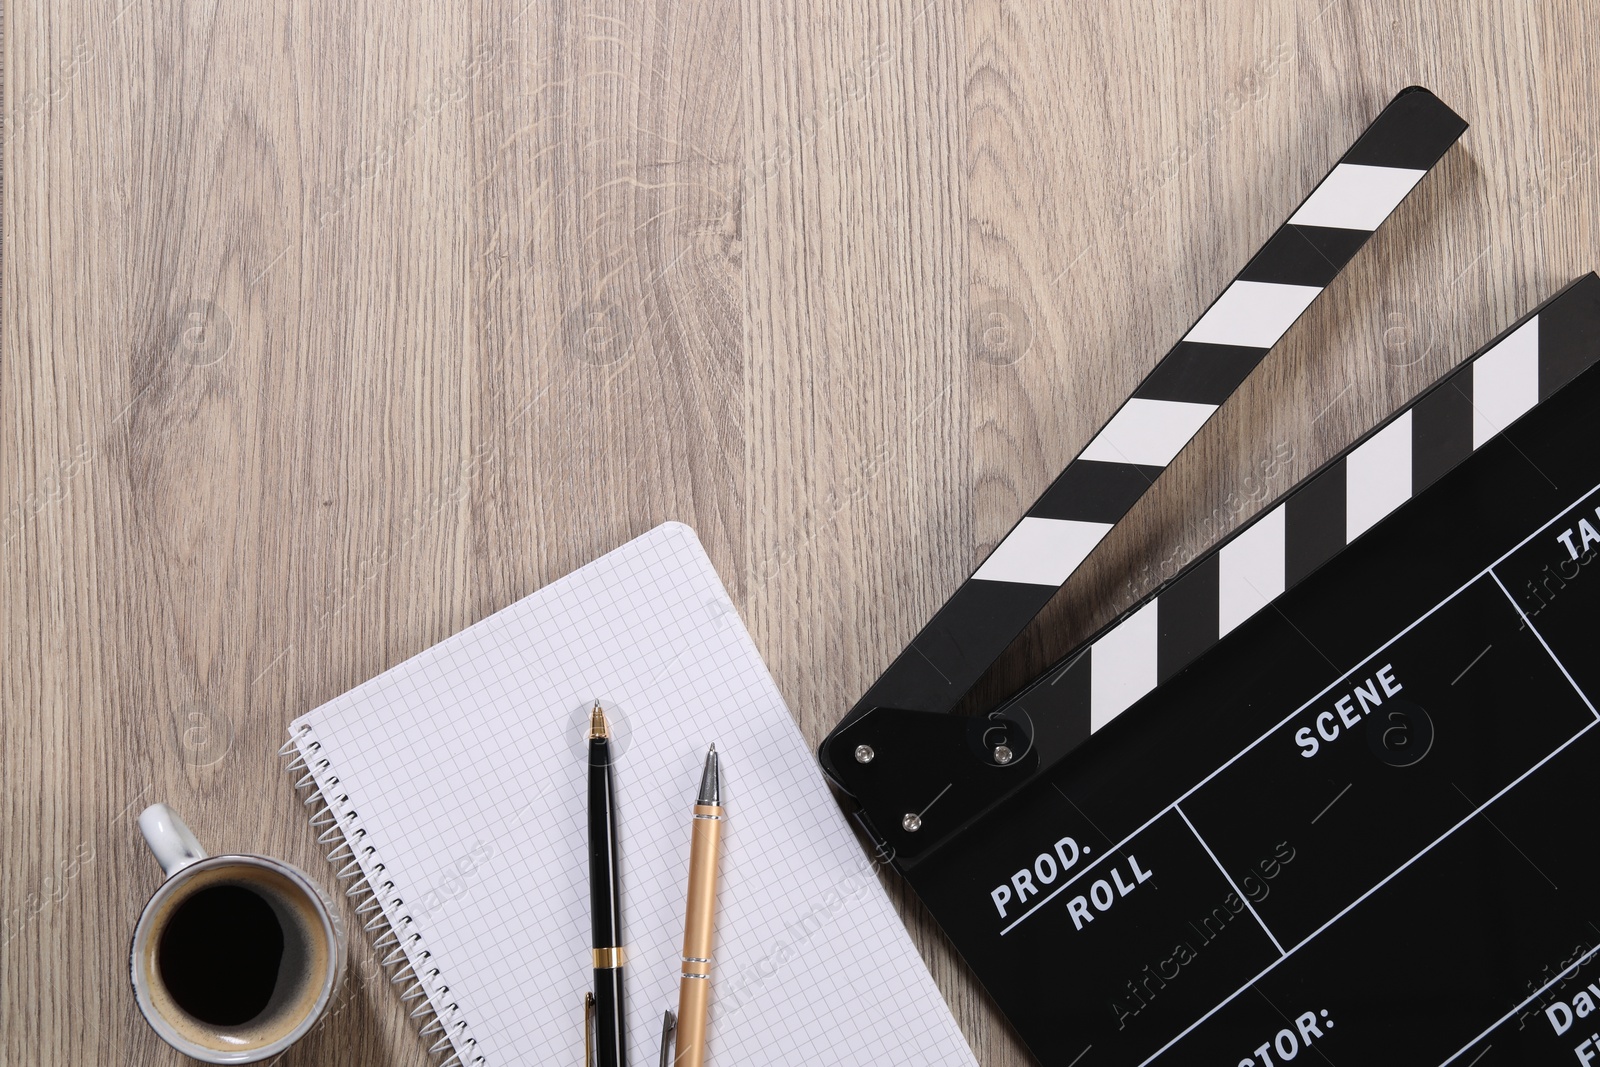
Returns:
(329,328)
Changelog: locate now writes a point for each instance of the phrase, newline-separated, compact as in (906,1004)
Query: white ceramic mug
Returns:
(234,958)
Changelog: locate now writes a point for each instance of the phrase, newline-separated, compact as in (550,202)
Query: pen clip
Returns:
(588,1030)
(669,1024)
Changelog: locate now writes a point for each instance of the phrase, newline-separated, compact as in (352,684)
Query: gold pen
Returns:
(694,990)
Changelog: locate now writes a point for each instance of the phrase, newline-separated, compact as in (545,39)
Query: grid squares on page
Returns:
(463,766)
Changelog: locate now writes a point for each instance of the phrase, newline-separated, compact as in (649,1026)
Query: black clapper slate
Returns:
(1320,746)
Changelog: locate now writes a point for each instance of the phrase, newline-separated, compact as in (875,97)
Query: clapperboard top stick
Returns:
(1122,461)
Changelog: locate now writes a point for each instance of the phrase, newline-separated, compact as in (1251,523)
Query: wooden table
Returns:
(331,328)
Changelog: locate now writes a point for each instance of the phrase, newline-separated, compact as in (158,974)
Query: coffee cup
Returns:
(234,958)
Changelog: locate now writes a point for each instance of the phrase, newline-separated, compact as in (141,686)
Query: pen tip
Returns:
(669,1023)
(712,751)
(711,780)
(598,730)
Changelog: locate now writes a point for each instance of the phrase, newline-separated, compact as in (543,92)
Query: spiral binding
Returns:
(405,957)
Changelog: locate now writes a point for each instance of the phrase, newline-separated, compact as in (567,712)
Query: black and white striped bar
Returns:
(1124,459)
(1403,456)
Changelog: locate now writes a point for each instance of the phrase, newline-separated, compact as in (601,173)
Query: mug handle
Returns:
(173,843)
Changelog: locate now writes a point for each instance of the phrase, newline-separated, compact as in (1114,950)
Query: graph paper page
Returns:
(465,765)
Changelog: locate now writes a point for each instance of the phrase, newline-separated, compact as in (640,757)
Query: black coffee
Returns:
(220,953)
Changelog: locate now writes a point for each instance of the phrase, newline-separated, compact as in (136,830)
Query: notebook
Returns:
(454,786)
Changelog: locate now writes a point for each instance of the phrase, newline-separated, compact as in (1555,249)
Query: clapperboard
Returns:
(1326,794)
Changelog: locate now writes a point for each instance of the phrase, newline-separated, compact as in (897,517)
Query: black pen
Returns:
(605,901)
